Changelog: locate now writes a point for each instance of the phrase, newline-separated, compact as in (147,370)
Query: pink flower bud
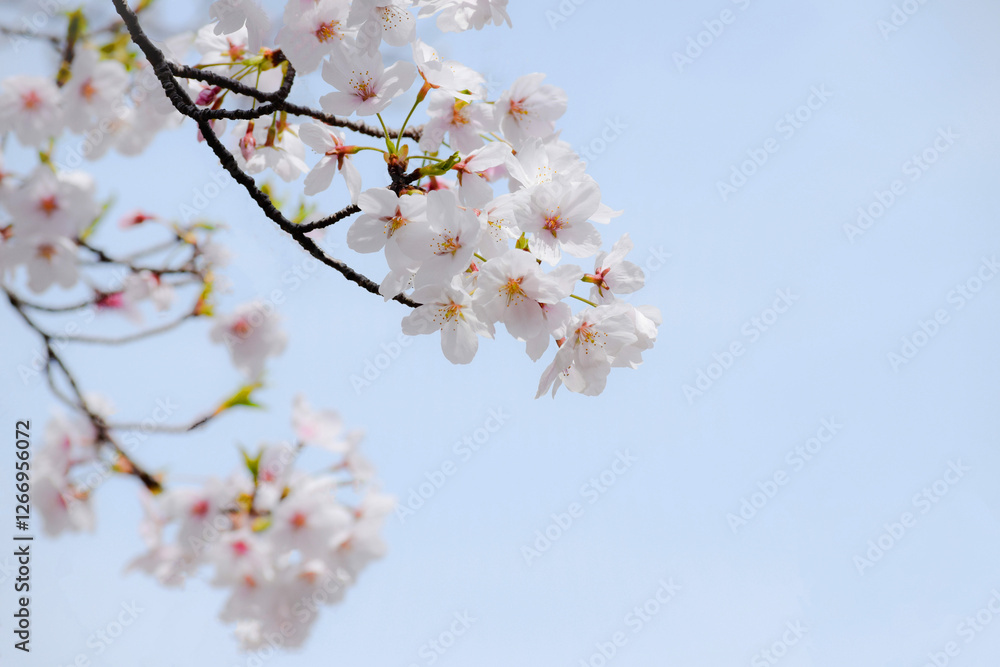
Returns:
(248,145)
(207,96)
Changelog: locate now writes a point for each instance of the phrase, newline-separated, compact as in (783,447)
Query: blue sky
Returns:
(887,98)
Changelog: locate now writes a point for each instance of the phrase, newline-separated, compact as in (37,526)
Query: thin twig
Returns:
(182,102)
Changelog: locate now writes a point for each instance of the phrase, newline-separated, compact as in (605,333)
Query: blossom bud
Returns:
(248,145)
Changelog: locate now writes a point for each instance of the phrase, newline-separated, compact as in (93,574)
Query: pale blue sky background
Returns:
(666,516)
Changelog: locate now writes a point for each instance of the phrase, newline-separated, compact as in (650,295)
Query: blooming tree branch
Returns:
(463,255)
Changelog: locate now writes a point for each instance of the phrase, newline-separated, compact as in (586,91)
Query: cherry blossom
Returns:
(614,274)
(321,428)
(275,537)
(336,157)
(450,311)
(221,51)
(530,109)
(266,144)
(364,86)
(461,121)
(94,91)
(449,76)
(145,285)
(49,261)
(511,287)
(463,254)
(251,333)
(379,20)
(473,173)
(451,243)
(49,205)
(312,31)
(31,108)
(461,15)
(557,218)
(233,15)
(593,338)
(395,222)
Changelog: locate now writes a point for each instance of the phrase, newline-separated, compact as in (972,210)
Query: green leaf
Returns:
(252,463)
(241,397)
(441,168)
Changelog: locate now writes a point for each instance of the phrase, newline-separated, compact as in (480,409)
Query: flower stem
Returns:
(586,301)
(388,139)
(399,138)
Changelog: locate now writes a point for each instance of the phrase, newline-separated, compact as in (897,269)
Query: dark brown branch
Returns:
(276,101)
(130,338)
(164,428)
(182,102)
(78,401)
(55,309)
(104,258)
(345,212)
(355,125)
(55,42)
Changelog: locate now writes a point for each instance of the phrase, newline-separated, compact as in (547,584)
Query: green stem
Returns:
(586,301)
(399,139)
(479,257)
(385,130)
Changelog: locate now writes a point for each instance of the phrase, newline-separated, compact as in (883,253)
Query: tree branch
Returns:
(182,102)
(79,402)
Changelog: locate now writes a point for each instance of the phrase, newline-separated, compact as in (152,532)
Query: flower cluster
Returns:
(110,104)
(470,252)
(61,490)
(280,540)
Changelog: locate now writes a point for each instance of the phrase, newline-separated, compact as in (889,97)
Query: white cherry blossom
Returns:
(449,310)
(336,157)
(31,108)
(613,274)
(251,333)
(530,109)
(312,31)
(363,85)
